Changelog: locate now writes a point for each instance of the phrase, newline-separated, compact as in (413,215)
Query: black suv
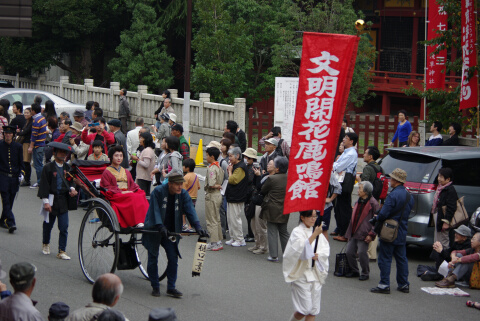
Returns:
(422,165)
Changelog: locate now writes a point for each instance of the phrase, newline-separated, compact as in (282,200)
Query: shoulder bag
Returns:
(460,217)
(389,227)
(341,263)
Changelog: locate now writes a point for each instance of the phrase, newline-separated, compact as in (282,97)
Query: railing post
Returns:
(173,93)
(142,89)
(113,87)
(63,80)
(240,105)
(204,98)
(87,83)
(17,80)
(41,78)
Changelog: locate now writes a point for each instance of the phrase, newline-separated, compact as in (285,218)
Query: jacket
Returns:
(452,141)
(108,139)
(121,139)
(393,203)
(363,228)
(88,312)
(19,307)
(274,189)
(448,197)
(266,159)
(237,193)
(48,185)
(123,107)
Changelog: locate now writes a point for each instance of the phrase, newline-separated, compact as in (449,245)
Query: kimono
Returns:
(306,281)
(130,208)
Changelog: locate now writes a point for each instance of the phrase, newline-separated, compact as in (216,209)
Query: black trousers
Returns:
(343,212)
(28,171)
(144,185)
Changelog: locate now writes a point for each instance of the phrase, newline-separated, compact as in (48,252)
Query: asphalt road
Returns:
(235,284)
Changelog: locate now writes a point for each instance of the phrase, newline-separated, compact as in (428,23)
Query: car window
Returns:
(31,96)
(13,98)
(419,168)
(465,171)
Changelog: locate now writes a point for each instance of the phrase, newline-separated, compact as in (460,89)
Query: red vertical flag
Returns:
(435,71)
(469,87)
(326,72)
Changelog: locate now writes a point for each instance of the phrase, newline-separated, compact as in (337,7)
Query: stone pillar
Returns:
(41,78)
(139,111)
(240,105)
(17,80)
(64,80)
(173,93)
(87,83)
(114,86)
(204,98)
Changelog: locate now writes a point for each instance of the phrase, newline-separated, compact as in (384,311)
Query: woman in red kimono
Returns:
(126,197)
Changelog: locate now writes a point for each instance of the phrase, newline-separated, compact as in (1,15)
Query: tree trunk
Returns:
(86,55)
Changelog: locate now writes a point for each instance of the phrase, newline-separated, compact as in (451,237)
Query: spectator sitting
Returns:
(20,306)
(98,154)
(454,130)
(3,287)
(106,292)
(461,265)
(89,111)
(162,314)
(436,139)
(440,254)
(413,139)
(111,315)
(58,311)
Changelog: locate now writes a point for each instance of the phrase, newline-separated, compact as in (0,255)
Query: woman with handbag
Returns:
(305,266)
(360,232)
(444,206)
(23,137)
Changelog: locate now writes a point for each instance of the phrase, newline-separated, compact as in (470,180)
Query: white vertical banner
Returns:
(286,89)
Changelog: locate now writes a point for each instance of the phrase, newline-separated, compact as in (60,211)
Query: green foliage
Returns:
(443,105)
(142,59)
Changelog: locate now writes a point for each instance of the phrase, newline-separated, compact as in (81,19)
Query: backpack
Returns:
(380,185)
(279,148)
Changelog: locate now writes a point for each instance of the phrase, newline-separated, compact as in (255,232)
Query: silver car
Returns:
(26,96)
(422,165)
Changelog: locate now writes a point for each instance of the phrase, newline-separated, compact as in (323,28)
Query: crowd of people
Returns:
(239,182)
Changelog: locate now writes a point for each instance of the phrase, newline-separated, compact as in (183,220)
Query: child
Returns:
(97,154)
(191,185)
(213,199)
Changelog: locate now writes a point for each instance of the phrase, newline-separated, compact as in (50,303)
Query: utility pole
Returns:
(186,93)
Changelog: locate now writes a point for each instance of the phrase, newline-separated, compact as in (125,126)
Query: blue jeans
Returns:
(38,161)
(62,227)
(387,251)
(171,249)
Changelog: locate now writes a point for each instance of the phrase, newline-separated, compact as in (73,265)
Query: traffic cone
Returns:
(199,157)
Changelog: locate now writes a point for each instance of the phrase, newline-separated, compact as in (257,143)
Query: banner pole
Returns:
(478,124)
(425,74)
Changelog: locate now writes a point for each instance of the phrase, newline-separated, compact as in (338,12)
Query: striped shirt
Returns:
(39,131)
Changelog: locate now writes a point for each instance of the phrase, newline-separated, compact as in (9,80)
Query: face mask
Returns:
(245,161)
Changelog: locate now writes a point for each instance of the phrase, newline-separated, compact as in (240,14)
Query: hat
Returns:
(115,122)
(3,274)
(58,310)
(464,231)
(399,175)
(178,127)
(61,146)
(77,126)
(173,117)
(250,153)
(165,116)
(162,314)
(9,129)
(110,315)
(175,177)
(22,273)
(215,144)
(78,113)
(272,141)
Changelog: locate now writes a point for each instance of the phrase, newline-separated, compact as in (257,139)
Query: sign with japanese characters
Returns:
(326,71)
(469,86)
(286,89)
(435,71)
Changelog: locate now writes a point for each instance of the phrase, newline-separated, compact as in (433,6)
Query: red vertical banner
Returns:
(435,71)
(326,71)
(469,87)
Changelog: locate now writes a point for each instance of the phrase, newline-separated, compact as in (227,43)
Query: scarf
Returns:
(437,195)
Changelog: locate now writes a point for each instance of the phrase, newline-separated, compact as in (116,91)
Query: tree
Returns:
(443,105)
(143,59)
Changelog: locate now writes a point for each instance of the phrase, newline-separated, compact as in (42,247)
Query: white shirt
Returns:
(132,140)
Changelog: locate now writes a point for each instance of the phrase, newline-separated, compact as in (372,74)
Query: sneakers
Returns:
(229,242)
(211,246)
(34,185)
(63,256)
(218,247)
(46,249)
(260,251)
(156,292)
(272,259)
(186,229)
(174,293)
(253,248)
(380,290)
(94,220)
(25,183)
(237,243)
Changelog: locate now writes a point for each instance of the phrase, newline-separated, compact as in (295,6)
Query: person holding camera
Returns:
(101,134)
(397,200)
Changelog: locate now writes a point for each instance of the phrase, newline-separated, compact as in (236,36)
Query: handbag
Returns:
(460,217)
(20,139)
(348,183)
(341,264)
(389,229)
(257,198)
(475,276)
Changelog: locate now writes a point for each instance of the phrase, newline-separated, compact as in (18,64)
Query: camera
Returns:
(373,221)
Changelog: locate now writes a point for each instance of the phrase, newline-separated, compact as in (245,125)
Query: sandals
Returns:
(473,304)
